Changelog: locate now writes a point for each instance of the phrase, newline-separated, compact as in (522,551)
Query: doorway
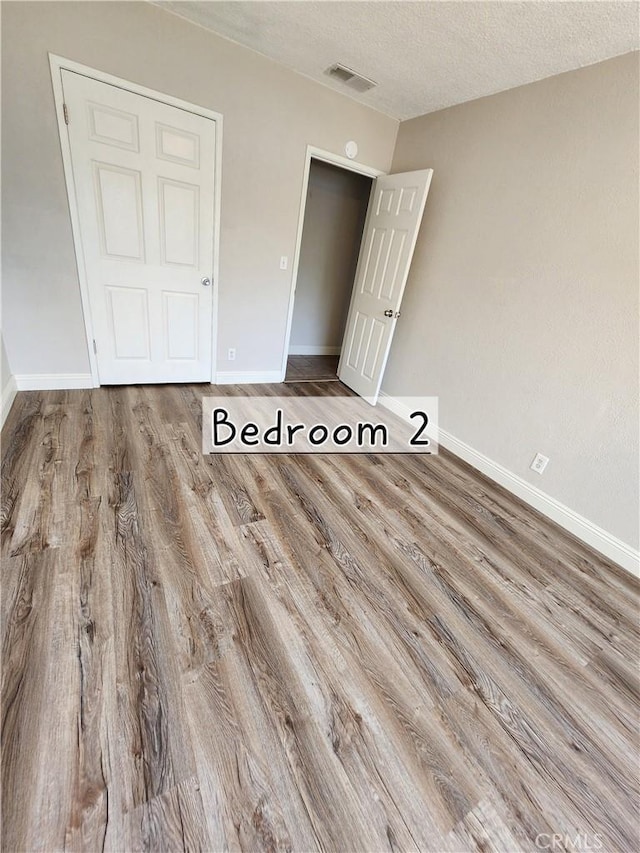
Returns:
(333,209)
(334,217)
(384,249)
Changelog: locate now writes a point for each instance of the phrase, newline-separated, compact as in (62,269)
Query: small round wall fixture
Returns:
(351,149)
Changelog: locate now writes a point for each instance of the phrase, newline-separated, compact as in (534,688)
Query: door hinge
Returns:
(95,348)
(65,110)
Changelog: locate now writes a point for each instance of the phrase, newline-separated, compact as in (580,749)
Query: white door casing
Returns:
(143,174)
(390,233)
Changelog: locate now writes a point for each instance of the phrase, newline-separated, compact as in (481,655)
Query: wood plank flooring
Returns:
(303,653)
(312,368)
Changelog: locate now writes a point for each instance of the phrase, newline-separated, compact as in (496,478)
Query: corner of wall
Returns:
(9,392)
(9,387)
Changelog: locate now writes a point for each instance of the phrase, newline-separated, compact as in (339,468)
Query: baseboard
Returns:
(240,377)
(300,350)
(53,381)
(8,396)
(400,408)
(67,381)
(612,547)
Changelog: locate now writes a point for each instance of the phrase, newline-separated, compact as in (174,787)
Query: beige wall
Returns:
(334,217)
(521,310)
(270,115)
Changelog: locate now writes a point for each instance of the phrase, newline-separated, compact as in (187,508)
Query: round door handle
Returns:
(205,281)
(397,314)
(388,313)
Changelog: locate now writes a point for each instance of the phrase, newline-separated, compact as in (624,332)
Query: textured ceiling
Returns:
(426,55)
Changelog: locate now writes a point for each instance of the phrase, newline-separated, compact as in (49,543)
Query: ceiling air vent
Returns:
(350,78)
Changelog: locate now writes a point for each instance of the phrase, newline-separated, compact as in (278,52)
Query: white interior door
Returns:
(390,232)
(144,183)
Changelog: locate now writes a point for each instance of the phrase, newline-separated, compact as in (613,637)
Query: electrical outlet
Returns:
(284,262)
(231,354)
(539,463)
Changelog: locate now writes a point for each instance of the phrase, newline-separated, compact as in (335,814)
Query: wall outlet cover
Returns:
(539,463)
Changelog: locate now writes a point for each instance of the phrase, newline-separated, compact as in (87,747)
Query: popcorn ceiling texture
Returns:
(426,55)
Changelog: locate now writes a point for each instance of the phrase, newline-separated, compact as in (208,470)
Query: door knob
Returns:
(205,281)
(388,313)
(397,314)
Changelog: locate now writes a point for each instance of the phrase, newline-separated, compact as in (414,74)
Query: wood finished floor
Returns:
(312,368)
(296,653)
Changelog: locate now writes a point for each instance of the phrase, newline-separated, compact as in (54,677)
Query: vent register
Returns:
(350,78)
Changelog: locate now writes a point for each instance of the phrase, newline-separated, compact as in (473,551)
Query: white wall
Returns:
(334,218)
(521,310)
(270,115)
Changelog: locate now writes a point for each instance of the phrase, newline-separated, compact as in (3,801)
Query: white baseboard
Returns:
(53,381)
(612,547)
(312,350)
(8,396)
(240,377)
(68,381)
(399,407)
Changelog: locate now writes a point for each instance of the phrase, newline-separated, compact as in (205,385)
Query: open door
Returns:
(390,233)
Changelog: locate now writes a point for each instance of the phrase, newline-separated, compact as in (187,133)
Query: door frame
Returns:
(313,153)
(58,64)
